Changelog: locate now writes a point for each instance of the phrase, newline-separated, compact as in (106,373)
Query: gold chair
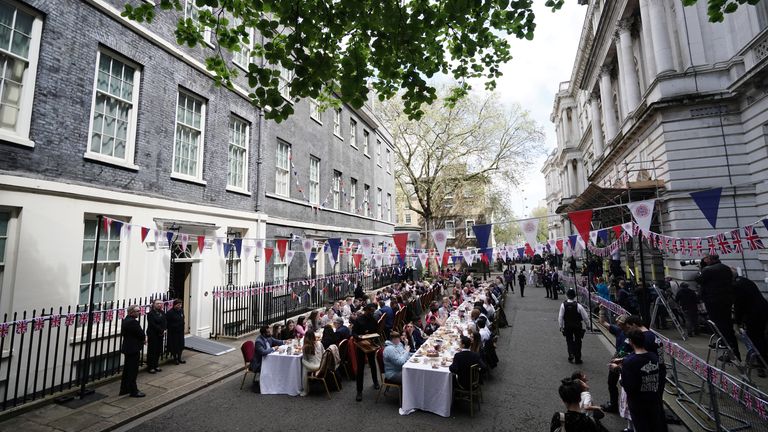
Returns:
(326,367)
(471,394)
(384,383)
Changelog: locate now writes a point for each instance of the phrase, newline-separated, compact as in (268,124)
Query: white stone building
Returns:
(661,103)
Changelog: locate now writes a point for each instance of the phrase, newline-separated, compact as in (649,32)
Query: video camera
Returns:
(685,263)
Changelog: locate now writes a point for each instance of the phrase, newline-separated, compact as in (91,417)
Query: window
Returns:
(378,204)
(107,268)
(192,11)
(238,154)
(282,169)
(280,269)
(407,218)
(113,109)
(389,162)
(188,148)
(242,57)
(353,133)
(336,190)
(367,201)
(232,259)
(19,49)
(337,122)
(353,195)
(5,217)
(389,207)
(366,141)
(450,226)
(314,180)
(378,152)
(448,201)
(469,232)
(314,111)
(286,77)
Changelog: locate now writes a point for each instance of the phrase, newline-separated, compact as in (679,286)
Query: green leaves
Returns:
(716,9)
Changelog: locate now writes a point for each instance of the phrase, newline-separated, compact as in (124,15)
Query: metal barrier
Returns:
(43,351)
(713,398)
(240,310)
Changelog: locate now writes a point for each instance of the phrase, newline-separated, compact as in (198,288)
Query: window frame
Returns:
(20,134)
(279,171)
(379,198)
(336,188)
(378,152)
(243,48)
(244,186)
(198,177)
(353,195)
(389,207)
(207,33)
(468,231)
(389,161)
(367,200)
(314,183)
(366,142)
(407,218)
(452,230)
(314,111)
(285,78)
(106,240)
(353,133)
(337,123)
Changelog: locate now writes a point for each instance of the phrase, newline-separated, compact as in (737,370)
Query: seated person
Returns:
(289,331)
(482,328)
(263,344)
(395,356)
(463,361)
(329,337)
(342,331)
(414,337)
(300,329)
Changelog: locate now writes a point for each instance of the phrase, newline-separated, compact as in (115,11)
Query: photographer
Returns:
(751,310)
(716,282)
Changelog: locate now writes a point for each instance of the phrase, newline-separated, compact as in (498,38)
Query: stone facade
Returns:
(662,103)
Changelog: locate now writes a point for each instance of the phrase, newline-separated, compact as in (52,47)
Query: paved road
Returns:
(521,395)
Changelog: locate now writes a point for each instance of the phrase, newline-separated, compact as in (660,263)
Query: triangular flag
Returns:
(572,241)
(118,226)
(307,245)
(333,249)
(617,230)
(289,256)
(267,255)
(642,211)
(144,232)
(582,220)
(200,243)
(401,241)
(530,229)
(603,235)
(227,248)
(238,243)
(483,234)
(446,257)
(282,244)
(765,222)
(467,255)
(628,228)
(184,241)
(709,203)
(356,259)
(440,237)
(559,245)
(366,243)
(529,250)
(593,237)
(423,257)
(169,236)
(520,252)
(105,223)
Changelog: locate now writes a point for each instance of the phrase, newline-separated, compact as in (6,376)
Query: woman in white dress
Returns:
(312,354)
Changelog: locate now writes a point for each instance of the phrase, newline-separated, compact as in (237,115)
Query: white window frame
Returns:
(336,190)
(242,58)
(104,261)
(285,78)
(407,216)
(279,269)
(130,140)
(314,180)
(378,152)
(353,132)
(20,133)
(283,172)
(468,231)
(389,207)
(367,200)
(243,186)
(379,197)
(314,111)
(389,162)
(366,142)
(337,123)
(191,5)
(353,195)
(198,177)
(4,236)
(237,263)
(451,230)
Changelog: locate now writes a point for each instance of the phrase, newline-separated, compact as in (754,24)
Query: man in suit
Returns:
(133,341)
(342,331)
(264,343)
(463,361)
(521,282)
(156,326)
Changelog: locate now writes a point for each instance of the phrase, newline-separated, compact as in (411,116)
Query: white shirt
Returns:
(582,312)
(485,334)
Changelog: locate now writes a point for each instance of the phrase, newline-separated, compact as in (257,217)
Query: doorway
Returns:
(181,288)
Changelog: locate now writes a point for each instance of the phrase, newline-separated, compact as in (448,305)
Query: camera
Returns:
(690,262)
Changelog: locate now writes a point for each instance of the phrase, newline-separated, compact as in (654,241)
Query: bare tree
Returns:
(475,140)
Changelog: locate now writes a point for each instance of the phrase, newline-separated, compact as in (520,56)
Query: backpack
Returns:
(561,428)
(571,315)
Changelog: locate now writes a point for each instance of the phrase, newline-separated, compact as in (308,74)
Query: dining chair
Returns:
(249,350)
(384,383)
(322,374)
(472,394)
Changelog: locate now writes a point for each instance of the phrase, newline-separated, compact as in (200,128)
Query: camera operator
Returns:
(716,282)
(751,310)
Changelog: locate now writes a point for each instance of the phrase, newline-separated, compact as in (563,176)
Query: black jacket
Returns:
(462,362)
(133,336)
(749,305)
(175,321)
(156,323)
(716,282)
(686,298)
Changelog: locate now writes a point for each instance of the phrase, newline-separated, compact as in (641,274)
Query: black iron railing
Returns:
(239,310)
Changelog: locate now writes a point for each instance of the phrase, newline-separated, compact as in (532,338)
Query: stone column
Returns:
(648,60)
(606,97)
(570,186)
(572,180)
(627,71)
(662,46)
(597,130)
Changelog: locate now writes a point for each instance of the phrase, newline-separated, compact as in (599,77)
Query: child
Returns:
(585,404)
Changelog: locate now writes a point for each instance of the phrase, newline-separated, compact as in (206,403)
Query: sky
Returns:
(532,78)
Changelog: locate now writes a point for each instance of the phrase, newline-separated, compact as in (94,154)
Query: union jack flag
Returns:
(711,246)
(39,324)
(21,327)
(110,315)
(736,236)
(55,321)
(121,313)
(674,245)
(70,319)
(722,243)
(3,330)
(96,317)
(753,240)
(696,247)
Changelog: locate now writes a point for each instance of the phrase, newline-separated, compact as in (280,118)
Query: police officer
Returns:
(156,327)
(133,342)
(571,318)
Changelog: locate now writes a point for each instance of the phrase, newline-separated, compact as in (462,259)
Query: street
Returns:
(520,395)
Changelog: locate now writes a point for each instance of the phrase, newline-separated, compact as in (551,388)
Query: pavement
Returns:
(204,394)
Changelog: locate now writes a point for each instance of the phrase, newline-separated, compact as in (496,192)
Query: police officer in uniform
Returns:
(571,318)
(133,341)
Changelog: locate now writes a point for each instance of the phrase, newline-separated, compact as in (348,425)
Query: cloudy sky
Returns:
(532,78)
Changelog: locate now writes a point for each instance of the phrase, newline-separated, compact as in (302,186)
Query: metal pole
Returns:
(89,337)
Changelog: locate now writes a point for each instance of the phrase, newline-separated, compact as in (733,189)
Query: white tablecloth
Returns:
(281,374)
(426,389)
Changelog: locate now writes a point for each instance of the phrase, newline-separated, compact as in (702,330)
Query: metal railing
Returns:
(240,310)
(44,352)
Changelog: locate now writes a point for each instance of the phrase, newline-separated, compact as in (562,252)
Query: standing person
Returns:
(133,341)
(571,317)
(689,302)
(622,349)
(156,327)
(751,310)
(175,320)
(716,282)
(521,281)
(364,347)
(574,419)
(547,281)
(509,278)
(641,377)
(555,283)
